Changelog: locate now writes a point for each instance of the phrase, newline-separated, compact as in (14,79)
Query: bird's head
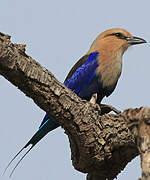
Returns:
(115,40)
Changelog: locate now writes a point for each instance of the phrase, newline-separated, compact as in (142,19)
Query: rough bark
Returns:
(140,127)
(101,145)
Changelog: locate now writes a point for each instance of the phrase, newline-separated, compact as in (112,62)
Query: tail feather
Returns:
(12,160)
(19,160)
(46,127)
(46,117)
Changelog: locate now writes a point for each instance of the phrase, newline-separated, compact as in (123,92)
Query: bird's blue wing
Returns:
(82,78)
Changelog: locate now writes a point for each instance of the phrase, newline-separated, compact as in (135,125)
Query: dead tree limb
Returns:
(100,145)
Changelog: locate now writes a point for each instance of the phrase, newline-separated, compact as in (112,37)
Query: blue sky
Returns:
(57,33)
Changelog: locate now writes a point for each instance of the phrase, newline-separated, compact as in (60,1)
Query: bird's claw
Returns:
(105,109)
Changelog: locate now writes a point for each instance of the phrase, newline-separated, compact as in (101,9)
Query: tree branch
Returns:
(100,145)
(139,125)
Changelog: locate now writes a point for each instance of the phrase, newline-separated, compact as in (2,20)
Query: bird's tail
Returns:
(46,126)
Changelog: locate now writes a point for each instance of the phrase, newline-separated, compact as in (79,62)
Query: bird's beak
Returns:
(135,40)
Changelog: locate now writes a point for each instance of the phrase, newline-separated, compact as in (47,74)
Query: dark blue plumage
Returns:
(81,81)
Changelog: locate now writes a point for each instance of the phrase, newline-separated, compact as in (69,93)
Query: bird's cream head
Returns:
(114,41)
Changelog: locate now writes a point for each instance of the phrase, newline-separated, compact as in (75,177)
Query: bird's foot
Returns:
(93,98)
(105,109)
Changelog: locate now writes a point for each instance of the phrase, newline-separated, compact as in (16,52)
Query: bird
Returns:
(97,72)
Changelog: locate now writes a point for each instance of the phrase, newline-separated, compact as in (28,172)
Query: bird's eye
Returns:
(119,35)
